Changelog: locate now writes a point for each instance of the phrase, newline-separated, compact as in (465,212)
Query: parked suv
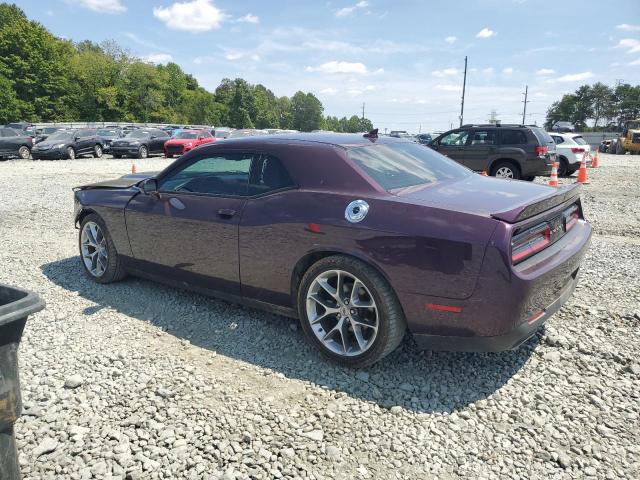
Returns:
(140,143)
(506,151)
(570,148)
(14,144)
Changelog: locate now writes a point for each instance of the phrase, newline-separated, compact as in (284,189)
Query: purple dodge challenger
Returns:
(359,237)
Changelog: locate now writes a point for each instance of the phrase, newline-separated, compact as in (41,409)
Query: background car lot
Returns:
(167,383)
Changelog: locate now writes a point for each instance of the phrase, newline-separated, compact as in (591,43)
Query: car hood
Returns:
(126,181)
(507,200)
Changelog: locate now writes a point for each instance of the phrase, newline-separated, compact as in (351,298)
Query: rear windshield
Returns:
(543,137)
(579,140)
(400,165)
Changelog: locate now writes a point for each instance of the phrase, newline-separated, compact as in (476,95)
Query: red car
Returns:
(186,140)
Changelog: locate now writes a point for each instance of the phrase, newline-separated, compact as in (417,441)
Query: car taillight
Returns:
(542,150)
(571,217)
(530,241)
(577,150)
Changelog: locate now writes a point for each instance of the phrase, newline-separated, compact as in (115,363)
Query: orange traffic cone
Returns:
(134,169)
(595,161)
(484,173)
(582,173)
(553,180)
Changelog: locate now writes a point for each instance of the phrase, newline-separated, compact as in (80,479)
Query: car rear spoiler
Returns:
(126,181)
(522,212)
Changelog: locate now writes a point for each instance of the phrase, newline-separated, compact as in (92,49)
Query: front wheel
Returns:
(505,170)
(71,153)
(97,251)
(143,152)
(349,311)
(97,151)
(24,153)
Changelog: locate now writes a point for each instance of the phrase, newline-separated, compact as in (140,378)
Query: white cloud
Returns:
(449,88)
(545,71)
(237,55)
(329,91)
(631,44)
(195,16)
(507,70)
(249,18)
(157,58)
(451,39)
(369,88)
(573,77)
(205,59)
(346,11)
(486,33)
(634,63)
(355,92)
(625,27)
(487,71)
(103,6)
(446,72)
(340,67)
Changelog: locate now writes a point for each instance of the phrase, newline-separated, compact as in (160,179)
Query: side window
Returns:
(224,174)
(483,137)
(513,137)
(557,139)
(268,174)
(455,138)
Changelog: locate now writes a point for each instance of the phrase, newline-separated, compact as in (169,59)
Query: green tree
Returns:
(307,112)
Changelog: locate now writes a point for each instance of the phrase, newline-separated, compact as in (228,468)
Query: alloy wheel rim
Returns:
(342,313)
(98,151)
(143,152)
(93,246)
(504,172)
(71,153)
(24,153)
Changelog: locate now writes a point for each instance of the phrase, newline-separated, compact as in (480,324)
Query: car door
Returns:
(5,143)
(83,141)
(452,145)
(158,142)
(481,149)
(188,230)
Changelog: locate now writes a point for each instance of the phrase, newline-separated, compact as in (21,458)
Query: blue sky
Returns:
(404,60)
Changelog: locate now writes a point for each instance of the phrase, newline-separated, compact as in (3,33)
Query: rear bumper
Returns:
(510,340)
(538,167)
(508,304)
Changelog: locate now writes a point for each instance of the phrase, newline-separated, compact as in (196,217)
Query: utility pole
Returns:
(464,87)
(362,110)
(524,110)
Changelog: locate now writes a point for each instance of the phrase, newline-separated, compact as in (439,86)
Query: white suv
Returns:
(570,147)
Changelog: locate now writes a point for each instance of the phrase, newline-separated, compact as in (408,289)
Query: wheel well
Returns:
(310,258)
(507,160)
(83,213)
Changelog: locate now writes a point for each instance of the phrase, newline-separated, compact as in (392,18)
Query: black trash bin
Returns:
(15,307)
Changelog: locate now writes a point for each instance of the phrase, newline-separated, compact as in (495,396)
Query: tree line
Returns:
(44,78)
(606,107)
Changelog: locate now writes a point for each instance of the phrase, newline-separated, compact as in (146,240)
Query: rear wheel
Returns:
(349,311)
(97,151)
(505,169)
(563,167)
(24,152)
(97,251)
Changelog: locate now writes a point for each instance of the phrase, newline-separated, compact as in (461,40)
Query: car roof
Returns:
(345,140)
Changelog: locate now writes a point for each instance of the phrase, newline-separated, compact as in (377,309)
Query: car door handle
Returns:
(226,212)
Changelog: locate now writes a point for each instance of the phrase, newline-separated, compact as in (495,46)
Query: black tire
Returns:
(168,155)
(563,167)
(24,152)
(97,151)
(143,151)
(391,321)
(530,178)
(114,271)
(505,164)
(70,153)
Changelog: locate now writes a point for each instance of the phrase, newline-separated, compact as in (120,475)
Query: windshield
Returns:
(543,137)
(48,130)
(60,135)
(138,134)
(186,135)
(579,140)
(401,165)
(108,133)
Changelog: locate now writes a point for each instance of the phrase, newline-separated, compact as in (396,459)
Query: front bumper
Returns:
(52,154)
(124,150)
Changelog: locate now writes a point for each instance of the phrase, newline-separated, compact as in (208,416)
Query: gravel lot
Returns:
(135,380)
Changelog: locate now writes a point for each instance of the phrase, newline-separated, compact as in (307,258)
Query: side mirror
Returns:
(76,138)
(153,137)
(433,144)
(150,185)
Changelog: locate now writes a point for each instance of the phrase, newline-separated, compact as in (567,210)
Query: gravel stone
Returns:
(175,385)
